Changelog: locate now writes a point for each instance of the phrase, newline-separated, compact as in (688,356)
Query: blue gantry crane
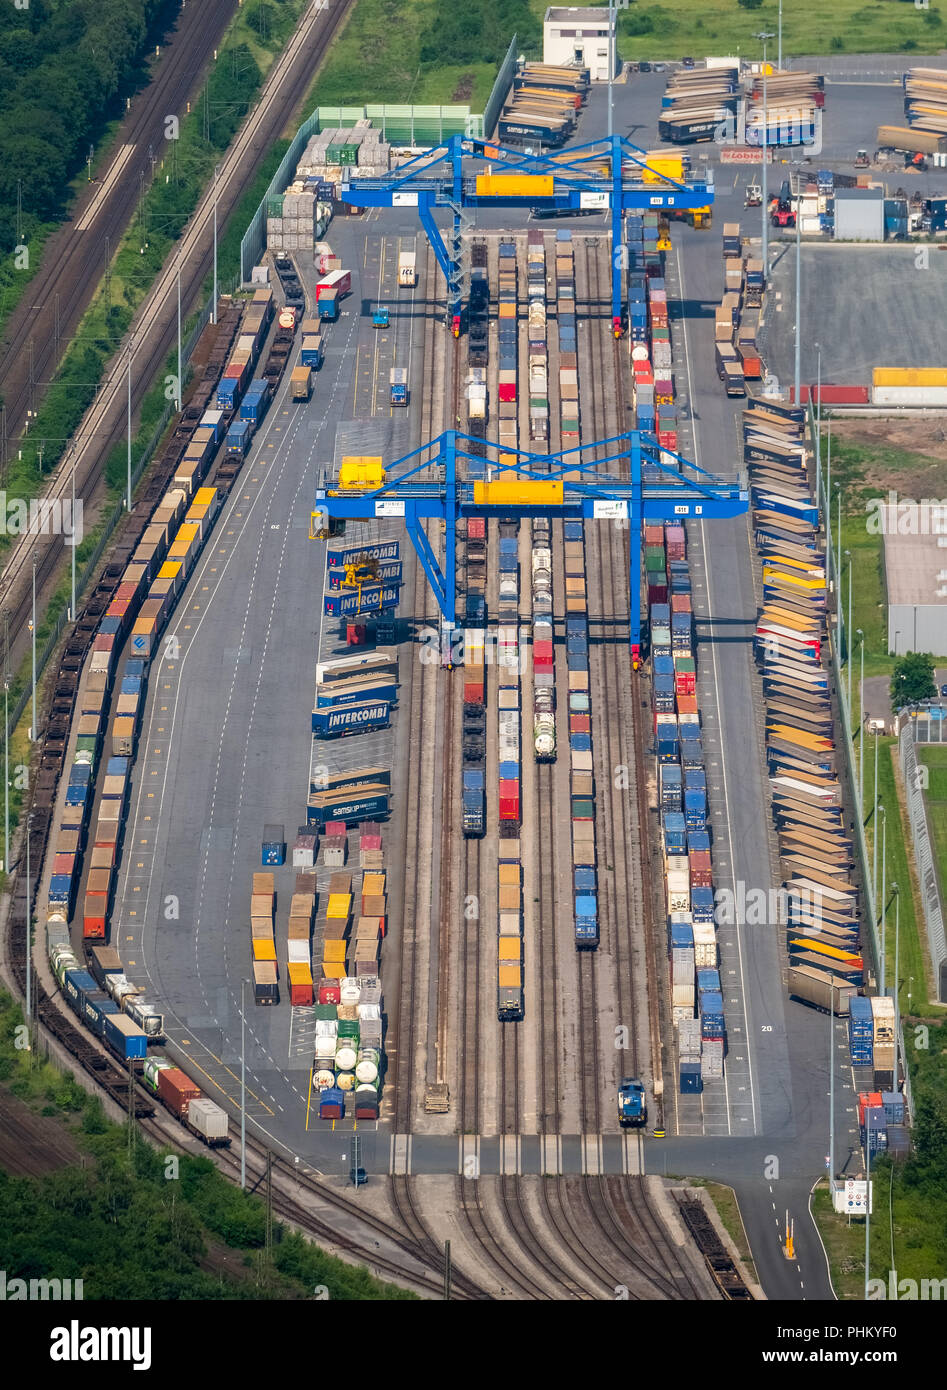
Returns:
(624,479)
(611,174)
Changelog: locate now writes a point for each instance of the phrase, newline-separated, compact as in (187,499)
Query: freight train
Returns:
(142,600)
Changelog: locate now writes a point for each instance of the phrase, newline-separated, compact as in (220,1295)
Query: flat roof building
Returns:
(915,567)
(579,34)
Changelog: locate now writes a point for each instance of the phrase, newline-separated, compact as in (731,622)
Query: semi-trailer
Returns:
(407,269)
(301,383)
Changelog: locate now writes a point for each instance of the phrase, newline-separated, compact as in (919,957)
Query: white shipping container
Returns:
(909,395)
(207,1118)
(680,1012)
(298,953)
(705,946)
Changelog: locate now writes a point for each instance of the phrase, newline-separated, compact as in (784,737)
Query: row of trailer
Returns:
(737,320)
(696,999)
(544,104)
(108,712)
(821,907)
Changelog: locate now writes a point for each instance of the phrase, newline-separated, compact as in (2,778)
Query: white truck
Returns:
(407,269)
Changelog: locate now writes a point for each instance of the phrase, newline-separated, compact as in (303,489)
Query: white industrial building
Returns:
(915,558)
(579,34)
(859,214)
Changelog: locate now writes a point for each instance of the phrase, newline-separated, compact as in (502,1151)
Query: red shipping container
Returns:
(335,827)
(366,1109)
(681,603)
(580,723)
(702,878)
(104,642)
(127,590)
(64,863)
(684,683)
(370,842)
(831,395)
(329,992)
(657,593)
(699,859)
(300,994)
(668,439)
(177,1090)
(118,608)
(687,704)
(507,390)
(94,914)
(473,692)
(509,798)
(233,372)
(643,374)
(477,528)
(867,1100)
(654,535)
(542,651)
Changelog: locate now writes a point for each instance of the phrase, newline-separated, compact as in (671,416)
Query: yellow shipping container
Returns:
(909,376)
(798,581)
(510,948)
(340,905)
(361,471)
(373,884)
(332,970)
(526,494)
(514,185)
(205,495)
(659,168)
(264,883)
(187,532)
(299,972)
(264,948)
(509,875)
(333,950)
(507,310)
(509,976)
(170,569)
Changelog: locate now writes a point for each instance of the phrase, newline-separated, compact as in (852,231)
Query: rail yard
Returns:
(422,848)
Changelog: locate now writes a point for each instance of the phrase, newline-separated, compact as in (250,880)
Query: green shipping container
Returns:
(684,666)
(583,808)
(654,565)
(327,1011)
(274,205)
(570,424)
(661,335)
(539,402)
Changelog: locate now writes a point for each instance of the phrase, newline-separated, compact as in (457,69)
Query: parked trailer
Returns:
(824,991)
(407,269)
(301,383)
(351,719)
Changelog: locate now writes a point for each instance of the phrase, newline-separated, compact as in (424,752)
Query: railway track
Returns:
(151,335)
(73,260)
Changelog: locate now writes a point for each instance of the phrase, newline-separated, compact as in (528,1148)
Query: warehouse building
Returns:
(915,556)
(859,214)
(579,34)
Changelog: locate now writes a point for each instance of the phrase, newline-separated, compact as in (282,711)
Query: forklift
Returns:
(861,159)
(754,196)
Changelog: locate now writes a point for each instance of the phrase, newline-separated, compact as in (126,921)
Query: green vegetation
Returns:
(909,1212)
(912,679)
(721,27)
(132,1222)
(423,52)
(65,69)
(728,1209)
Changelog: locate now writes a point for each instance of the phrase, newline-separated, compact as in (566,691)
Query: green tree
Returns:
(913,679)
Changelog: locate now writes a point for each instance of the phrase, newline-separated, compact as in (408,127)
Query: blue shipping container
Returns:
(129,1046)
(351,719)
(337,697)
(226,393)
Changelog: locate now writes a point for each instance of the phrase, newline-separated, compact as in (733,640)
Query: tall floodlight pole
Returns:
(611,68)
(33,731)
(243,1087)
(213,312)
(861,726)
(798,361)
(779,30)
(831,1088)
(848,636)
(838,539)
(884,874)
(180,384)
(763,36)
(897,959)
(128,432)
(74,542)
(818,403)
(867,1208)
(874,829)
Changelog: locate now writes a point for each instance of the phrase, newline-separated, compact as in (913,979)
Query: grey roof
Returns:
(916,563)
(859,195)
(562,14)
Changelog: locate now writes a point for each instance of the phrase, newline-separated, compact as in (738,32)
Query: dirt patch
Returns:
(916,449)
(31,1144)
(464,89)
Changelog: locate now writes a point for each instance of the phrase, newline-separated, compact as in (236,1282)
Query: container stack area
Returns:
(821,908)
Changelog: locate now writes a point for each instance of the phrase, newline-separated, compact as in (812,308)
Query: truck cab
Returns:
(632,1109)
